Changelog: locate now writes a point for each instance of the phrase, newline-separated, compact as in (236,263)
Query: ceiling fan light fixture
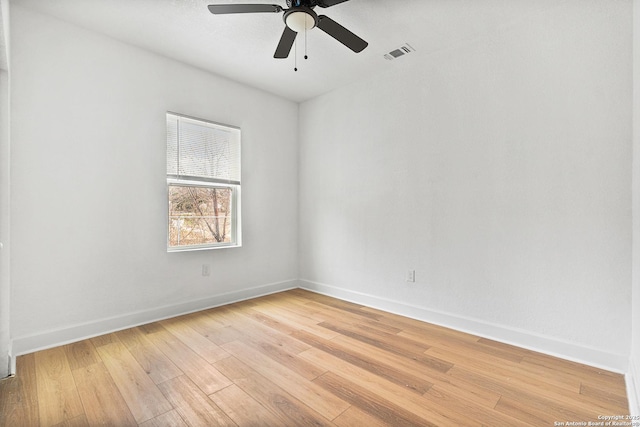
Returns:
(300,20)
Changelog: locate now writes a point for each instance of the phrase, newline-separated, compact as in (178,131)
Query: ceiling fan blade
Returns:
(222,9)
(329,3)
(286,43)
(341,34)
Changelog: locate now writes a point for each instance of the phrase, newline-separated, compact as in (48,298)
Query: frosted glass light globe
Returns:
(300,21)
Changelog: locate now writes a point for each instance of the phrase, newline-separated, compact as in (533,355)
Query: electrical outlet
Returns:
(411,276)
(206,270)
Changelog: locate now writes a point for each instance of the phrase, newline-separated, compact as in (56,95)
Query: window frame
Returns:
(235,188)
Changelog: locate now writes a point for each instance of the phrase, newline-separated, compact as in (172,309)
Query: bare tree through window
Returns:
(199,215)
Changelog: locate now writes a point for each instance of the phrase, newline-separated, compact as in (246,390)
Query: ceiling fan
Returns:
(299,17)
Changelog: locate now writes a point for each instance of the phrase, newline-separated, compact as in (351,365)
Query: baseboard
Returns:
(12,366)
(12,361)
(54,338)
(520,338)
(632,380)
(9,372)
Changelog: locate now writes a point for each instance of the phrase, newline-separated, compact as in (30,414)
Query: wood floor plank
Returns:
(244,321)
(58,398)
(81,354)
(457,403)
(103,340)
(507,348)
(259,326)
(468,347)
(482,397)
(302,322)
(544,370)
(306,391)
(292,412)
(151,328)
(389,391)
(504,369)
(349,318)
(552,382)
(19,395)
(417,327)
(613,400)
(587,374)
(297,315)
(553,406)
(144,399)
(356,417)
(282,356)
(553,377)
(11,410)
(202,373)
(205,348)
(192,404)
(151,359)
(339,304)
(394,343)
(168,419)
(371,402)
(226,322)
(517,410)
(79,421)
(101,399)
(426,367)
(243,409)
(292,303)
(222,335)
(219,315)
(203,323)
(280,347)
(344,351)
(523,381)
(274,324)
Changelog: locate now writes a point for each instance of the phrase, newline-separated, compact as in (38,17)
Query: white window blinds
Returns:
(202,151)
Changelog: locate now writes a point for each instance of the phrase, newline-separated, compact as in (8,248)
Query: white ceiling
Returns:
(241,47)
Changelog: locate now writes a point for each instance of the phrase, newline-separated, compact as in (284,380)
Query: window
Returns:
(203,184)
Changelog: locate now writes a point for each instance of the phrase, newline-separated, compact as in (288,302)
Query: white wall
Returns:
(5,296)
(499,170)
(88,186)
(633,379)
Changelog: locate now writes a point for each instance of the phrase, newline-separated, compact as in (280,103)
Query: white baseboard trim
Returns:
(632,380)
(517,337)
(12,361)
(8,373)
(54,338)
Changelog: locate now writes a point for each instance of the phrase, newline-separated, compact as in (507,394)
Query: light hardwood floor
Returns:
(301,359)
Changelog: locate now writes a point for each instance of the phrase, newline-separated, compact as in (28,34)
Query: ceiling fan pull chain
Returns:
(305,36)
(295,55)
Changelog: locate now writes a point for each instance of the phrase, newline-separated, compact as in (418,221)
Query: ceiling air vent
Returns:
(401,51)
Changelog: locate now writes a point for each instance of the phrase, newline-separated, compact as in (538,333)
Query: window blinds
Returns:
(202,151)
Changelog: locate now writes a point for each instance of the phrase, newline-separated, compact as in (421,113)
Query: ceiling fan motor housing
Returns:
(298,3)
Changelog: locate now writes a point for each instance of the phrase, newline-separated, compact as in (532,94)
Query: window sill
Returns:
(202,248)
